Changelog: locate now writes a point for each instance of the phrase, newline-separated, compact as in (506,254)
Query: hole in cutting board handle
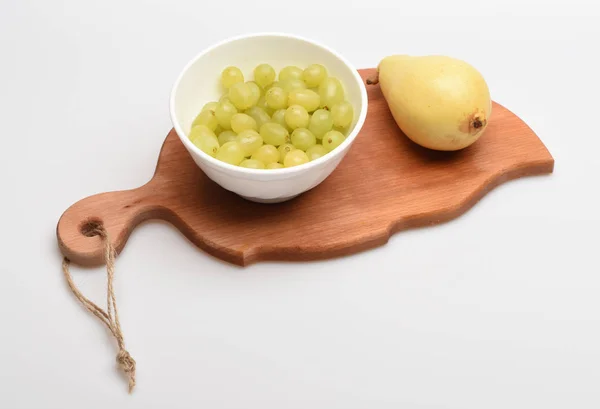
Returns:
(89,228)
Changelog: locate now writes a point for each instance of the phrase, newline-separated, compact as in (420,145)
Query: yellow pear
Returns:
(439,102)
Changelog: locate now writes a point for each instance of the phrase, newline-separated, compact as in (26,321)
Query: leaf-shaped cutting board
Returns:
(384,185)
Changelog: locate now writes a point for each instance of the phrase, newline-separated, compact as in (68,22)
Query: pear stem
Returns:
(374,79)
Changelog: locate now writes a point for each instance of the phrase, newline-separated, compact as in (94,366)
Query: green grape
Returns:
(256,92)
(306,98)
(210,106)
(224,112)
(279,117)
(259,115)
(250,141)
(295,158)
(241,95)
(276,98)
(264,75)
(315,152)
(331,92)
(314,74)
(320,123)
(231,152)
(252,164)
(341,129)
(241,122)
(262,103)
(284,150)
(291,72)
(274,165)
(303,139)
(230,76)
(296,117)
(332,140)
(224,98)
(273,84)
(206,118)
(292,85)
(226,136)
(204,139)
(266,154)
(342,114)
(274,134)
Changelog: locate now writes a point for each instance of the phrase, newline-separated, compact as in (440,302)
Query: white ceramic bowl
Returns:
(198,84)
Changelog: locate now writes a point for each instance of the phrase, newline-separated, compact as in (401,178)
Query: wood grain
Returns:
(385,184)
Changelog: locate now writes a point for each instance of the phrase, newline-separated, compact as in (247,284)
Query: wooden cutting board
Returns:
(385,184)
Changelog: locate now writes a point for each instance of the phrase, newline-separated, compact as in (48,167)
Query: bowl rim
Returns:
(215,163)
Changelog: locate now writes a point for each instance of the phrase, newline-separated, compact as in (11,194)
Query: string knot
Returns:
(127,364)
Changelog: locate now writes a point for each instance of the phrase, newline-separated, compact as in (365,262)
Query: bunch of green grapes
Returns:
(276,120)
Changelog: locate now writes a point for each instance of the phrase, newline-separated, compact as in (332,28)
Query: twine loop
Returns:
(110,317)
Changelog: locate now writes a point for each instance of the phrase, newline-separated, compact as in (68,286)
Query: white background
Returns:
(497,309)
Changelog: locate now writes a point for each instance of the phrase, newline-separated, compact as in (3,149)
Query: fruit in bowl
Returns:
(268,116)
(303,107)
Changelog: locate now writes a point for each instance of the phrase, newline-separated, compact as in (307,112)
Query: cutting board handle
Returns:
(118,212)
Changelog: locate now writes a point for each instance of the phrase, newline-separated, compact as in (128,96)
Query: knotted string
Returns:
(110,317)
